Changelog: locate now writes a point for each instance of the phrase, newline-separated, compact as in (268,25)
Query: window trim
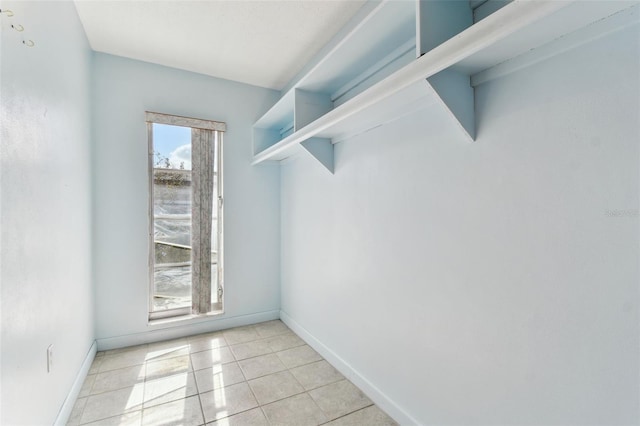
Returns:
(218,128)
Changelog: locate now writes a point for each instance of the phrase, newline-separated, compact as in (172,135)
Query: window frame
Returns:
(217,129)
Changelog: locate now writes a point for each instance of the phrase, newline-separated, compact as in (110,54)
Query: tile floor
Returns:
(261,374)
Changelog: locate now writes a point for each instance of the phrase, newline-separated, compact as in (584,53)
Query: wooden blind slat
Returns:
(202,159)
(174,120)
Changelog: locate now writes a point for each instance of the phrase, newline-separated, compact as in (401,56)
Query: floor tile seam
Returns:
(111,417)
(211,349)
(281,399)
(117,389)
(263,375)
(292,347)
(220,387)
(251,357)
(164,376)
(116,369)
(270,348)
(275,335)
(312,362)
(124,353)
(208,349)
(195,379)
(230,415)
(158,345)
(246,342)
(321,386)
(342,376)
(257,339)
(241,342)
(164,358)
(252,392)
(143,409)
(144,401)
(119,368)
(287,331)
(265,415)
(121,413)
(90,387)
(347,414)
(174,373)
(261,339)
(217,333)
(302,365)
(120,351)
(294,378)
(313,401)
(210,335)
(82,411)
(344,379)
(147,361)
(204,339)
(319,408)
(204,418)
(193,369)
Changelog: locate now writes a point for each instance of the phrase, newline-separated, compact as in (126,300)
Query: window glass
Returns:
(171,216)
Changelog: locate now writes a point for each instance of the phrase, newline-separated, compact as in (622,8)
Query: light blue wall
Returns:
(485,283)
(45,163)
(123,90)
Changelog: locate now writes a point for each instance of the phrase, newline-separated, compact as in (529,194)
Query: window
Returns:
(185,209)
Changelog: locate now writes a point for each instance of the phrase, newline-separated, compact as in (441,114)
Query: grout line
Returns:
(348,414)
(82,411)
(204,419)
(252,393)
(265,415)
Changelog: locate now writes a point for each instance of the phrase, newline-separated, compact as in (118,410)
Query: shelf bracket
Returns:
(322,150)
(453,89)
(436,22)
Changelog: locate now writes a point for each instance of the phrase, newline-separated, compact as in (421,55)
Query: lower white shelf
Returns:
(414,97)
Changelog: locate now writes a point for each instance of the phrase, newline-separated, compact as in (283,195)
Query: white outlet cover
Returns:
(49,358)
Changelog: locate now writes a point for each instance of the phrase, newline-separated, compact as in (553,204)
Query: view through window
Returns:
(186,216)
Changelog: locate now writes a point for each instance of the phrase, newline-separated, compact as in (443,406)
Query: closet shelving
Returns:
(395,57)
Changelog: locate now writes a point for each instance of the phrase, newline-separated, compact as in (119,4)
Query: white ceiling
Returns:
(264,43)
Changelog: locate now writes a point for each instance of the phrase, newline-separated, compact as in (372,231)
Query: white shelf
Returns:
(441,75)
(351,119)
(377,30)
(573,16)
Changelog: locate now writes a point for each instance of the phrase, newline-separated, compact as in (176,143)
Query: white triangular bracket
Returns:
(322,150)
(453,90)
(438,21)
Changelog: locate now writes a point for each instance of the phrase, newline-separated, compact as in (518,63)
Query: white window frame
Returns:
(204,133)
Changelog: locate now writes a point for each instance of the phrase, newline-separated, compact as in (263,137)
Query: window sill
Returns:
(183,319)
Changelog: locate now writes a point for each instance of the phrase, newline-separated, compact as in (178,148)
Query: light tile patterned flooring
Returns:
(261,374)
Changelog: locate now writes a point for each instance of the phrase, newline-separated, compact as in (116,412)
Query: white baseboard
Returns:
(67,406)
(177,328)
(375,394)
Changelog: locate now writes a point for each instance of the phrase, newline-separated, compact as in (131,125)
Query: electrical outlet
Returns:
(49,358)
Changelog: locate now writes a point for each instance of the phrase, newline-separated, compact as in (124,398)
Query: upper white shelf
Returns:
(568,17)
(380,34)
(393,82)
